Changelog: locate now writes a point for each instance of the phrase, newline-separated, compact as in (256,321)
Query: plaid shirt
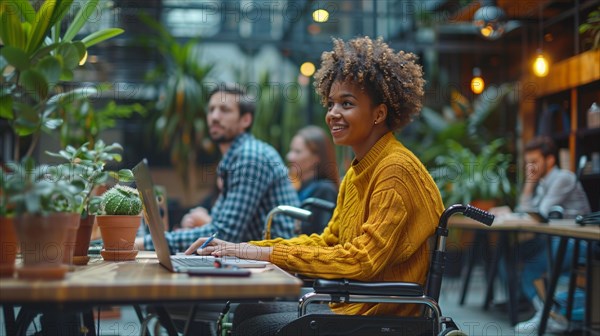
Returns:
(255,180)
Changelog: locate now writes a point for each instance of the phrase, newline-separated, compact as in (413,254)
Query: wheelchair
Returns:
(431,321)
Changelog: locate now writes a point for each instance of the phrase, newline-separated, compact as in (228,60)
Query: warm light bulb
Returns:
(477,85)
(320,15)
(307,69)
(540,66)
(486,31)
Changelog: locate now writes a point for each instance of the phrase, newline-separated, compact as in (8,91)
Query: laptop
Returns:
(179,263)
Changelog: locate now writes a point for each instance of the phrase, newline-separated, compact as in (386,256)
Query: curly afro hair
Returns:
(394,79)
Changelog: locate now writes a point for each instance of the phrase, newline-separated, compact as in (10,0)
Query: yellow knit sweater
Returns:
(388,205)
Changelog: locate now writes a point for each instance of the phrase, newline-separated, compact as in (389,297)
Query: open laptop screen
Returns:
(145,187)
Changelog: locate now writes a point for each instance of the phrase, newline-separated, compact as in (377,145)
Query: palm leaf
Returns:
(79,20)
(40,26)
(102,35)
(11,30)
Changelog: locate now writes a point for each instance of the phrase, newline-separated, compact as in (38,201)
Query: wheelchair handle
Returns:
(479,215)
(319,203)
(470,211)
(294,212)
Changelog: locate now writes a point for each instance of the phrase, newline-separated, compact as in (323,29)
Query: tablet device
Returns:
(221,272)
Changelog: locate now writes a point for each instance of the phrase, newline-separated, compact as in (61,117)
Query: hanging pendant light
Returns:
(490,20)
(541,66)
(477,83)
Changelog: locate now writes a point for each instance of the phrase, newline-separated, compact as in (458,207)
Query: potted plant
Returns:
(8,236)
(121,206)
(466,176)
(88,162)
(46,207)
(37,55)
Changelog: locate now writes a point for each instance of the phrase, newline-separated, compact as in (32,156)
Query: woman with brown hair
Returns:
(313,168)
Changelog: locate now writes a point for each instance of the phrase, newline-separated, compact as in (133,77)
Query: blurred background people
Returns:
(314,171)
(549,191)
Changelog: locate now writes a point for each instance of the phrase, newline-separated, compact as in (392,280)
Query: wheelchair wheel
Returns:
(452,332)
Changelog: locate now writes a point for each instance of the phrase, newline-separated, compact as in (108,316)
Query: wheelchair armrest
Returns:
(345,287)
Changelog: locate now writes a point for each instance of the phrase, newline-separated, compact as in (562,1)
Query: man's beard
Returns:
(222,139)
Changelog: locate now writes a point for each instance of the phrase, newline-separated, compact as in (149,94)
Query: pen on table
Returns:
(208,240)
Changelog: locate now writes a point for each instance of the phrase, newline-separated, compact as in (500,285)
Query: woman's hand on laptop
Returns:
(221,248)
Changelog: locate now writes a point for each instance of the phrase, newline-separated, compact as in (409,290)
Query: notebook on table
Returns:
(178,263)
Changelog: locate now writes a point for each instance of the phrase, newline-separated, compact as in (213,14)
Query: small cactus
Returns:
(121,200)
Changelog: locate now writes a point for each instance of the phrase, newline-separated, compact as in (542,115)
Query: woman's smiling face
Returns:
(351,115)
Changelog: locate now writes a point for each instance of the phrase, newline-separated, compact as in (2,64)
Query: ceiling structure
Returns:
(444,26)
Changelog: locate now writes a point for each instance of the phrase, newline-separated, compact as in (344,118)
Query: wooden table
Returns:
(143,281)
(565,229)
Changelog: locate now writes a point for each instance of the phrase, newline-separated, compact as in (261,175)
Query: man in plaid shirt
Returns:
(254,177)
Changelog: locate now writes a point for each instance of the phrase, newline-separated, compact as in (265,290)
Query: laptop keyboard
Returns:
(193,262)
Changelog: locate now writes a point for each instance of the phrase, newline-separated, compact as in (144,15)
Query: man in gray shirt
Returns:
(547,189)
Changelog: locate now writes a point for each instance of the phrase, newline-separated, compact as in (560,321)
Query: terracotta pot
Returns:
(118,235)
(43,241)
(70,243)
(82,241)
(8,247)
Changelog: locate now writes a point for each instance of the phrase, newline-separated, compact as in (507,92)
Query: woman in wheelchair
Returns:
(388,204)
(313,168)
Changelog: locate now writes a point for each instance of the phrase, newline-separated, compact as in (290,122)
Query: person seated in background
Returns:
(547,189)
(311,160)
(388,205)
(255,179)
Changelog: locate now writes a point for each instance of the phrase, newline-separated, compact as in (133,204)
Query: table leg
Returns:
(9,319)
(24,319)
(165,320)
(587,318)
(555,274)
(513,280)
(88,322)
(140,316)
(572,281)
(493,270)
(190,320)
(470,265)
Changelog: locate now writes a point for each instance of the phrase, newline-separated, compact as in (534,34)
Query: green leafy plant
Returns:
(276,120)
(463,175)
(462,121)
(88,163)
(592,27)
(43,189)
(466,159)
(181,122)
(83,121)
(37,55)
(122,200)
